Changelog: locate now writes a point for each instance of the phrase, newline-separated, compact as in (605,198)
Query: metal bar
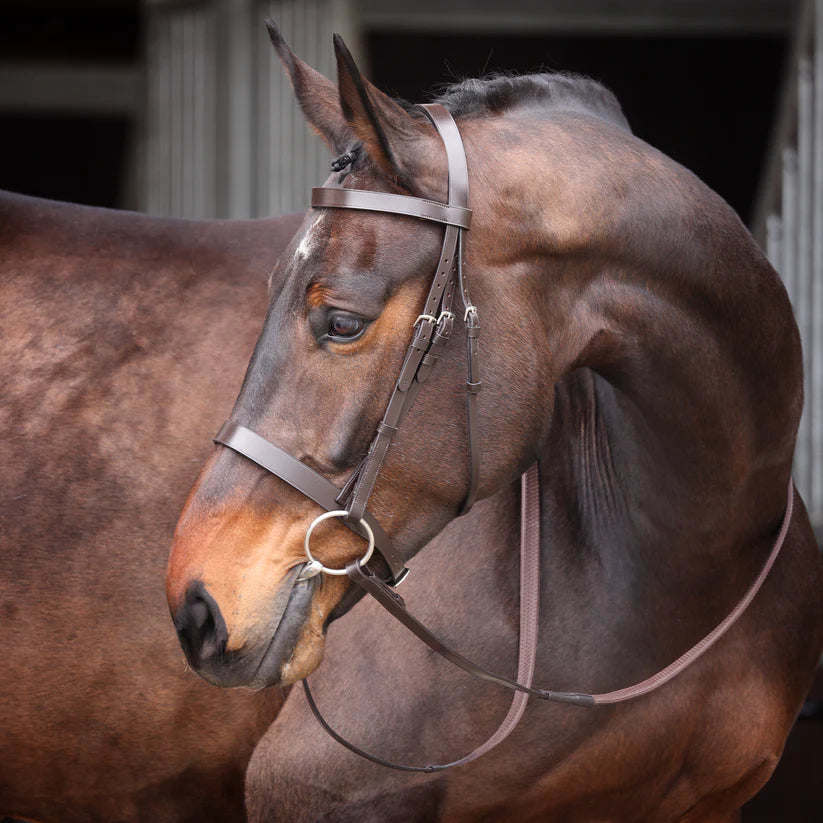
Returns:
(239,86)
(89,89)
(782,133)
(175,117)
(803,283)
(789,202)
(203,136)
(298,138)
(589,16)
(814,398)
(187,109)
(279,120)
(265,102)
(774,240)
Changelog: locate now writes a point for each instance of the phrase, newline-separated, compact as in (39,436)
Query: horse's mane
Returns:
(498,93)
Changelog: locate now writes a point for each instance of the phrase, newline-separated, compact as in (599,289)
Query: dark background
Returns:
(81,158)
(708,102)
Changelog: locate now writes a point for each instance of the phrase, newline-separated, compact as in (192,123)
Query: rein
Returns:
(529,615)
(432,330)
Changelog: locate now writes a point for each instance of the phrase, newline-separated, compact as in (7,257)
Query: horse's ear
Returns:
(315,93)
(391,137)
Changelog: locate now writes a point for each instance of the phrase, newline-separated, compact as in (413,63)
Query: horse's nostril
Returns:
(200,626)
(201,615)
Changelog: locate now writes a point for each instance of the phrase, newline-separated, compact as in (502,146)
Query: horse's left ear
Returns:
(315,93)
(396,142)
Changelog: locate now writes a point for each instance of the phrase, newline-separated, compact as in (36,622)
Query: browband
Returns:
(392,204)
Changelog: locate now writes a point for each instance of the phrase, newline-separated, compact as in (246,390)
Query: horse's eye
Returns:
(345,327)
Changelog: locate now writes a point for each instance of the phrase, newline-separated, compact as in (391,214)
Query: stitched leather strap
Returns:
(391,203)
(529,614)
(422,351)
(459,194)
(399,403)
(473,386)
(455,154)
(686,659)
(431,332)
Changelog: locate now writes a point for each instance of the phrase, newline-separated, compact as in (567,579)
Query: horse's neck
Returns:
(685,427)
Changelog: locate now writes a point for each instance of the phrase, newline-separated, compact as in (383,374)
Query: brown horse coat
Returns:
(638,344)
(122,341)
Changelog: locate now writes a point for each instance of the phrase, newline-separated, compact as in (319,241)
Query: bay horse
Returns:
(639,347)
(122,335)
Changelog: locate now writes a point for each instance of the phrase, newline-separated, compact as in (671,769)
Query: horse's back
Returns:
(123,338)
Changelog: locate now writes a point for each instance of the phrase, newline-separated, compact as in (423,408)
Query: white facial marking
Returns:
(309,239)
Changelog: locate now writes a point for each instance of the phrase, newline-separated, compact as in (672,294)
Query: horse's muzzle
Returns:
(203,636)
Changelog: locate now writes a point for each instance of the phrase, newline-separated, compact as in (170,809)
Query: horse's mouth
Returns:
(254,669)
(271,671)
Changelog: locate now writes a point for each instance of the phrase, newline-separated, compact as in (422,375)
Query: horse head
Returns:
(344,301)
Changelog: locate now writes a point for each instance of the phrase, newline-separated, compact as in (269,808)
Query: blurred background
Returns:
(179,107)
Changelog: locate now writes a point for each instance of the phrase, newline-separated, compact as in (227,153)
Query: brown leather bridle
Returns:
(432,330)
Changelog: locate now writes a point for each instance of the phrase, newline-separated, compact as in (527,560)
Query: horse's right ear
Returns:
(316,94)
